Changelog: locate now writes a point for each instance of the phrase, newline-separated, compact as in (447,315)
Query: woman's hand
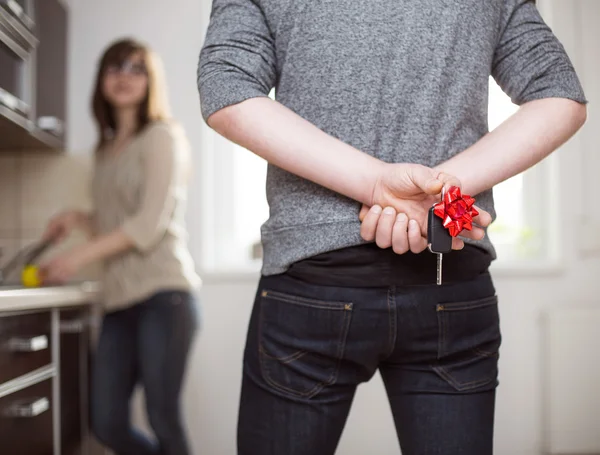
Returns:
(60,226)
(63,267)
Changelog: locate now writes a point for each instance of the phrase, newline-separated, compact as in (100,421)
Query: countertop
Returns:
(18,298)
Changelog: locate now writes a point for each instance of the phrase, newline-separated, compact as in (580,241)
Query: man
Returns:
(380,104)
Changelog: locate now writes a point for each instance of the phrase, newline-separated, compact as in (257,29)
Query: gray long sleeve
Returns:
(529,62)
(238,56)
(405,81)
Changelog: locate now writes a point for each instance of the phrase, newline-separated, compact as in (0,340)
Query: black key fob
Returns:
(439,239)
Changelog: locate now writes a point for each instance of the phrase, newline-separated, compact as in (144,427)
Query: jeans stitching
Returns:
(313,303)
(441,333)
(261,358)
(483,353)
(462,306)
(461,386)
(286,359)
(341,346)
(391,302)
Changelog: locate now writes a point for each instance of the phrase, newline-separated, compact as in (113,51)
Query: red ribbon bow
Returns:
(456,210)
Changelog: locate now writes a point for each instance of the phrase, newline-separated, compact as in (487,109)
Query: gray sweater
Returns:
(402,80)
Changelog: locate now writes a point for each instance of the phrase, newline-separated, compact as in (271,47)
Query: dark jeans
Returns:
(310,346)
(146,343)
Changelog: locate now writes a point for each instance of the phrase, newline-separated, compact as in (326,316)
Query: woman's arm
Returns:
(86,223)
(537,129)
(164,164)
(103,247)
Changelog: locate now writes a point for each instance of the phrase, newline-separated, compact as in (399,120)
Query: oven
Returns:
(17,46)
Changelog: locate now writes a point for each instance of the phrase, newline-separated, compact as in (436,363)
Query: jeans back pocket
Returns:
(302,342)
(469,342)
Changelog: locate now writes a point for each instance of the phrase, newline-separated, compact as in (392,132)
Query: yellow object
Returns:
(30,276)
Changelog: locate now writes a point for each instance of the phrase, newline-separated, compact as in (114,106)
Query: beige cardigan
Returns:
(143,190)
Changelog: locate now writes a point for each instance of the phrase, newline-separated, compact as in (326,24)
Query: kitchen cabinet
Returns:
(74,380)
(44,363)
(33,68)
(27,421)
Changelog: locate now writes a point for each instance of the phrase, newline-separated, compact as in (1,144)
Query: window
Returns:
(519,232)
(522,231)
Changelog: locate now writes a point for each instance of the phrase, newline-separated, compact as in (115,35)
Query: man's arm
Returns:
(532,67)
(237,70)
(318,157)
(532,133)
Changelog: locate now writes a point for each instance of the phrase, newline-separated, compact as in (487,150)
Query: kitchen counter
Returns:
(19,298)
(46,336)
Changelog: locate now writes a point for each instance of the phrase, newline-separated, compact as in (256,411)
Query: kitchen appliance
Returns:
(17,48)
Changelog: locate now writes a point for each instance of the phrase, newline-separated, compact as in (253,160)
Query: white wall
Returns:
(175,29)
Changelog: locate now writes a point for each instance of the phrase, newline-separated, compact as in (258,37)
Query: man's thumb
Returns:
(426,179)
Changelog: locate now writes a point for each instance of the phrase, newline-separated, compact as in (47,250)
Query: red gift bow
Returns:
(456,210)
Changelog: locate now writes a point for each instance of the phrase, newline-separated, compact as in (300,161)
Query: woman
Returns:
(137,230)
(373,101)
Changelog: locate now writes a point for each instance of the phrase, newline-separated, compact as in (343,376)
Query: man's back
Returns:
(405,81)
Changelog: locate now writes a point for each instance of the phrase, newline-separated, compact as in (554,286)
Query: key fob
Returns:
(439,239)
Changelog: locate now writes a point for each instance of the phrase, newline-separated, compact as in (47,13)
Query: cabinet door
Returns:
(26,421)
(25,344)
(74,345)
(51,81)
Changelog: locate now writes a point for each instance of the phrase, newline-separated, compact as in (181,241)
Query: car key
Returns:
(439,240)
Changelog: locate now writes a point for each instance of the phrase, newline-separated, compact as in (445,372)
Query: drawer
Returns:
(26,421)
(25,344)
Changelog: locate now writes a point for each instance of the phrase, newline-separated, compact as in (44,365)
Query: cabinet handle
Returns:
(29,409)
(74,326)
(33,344)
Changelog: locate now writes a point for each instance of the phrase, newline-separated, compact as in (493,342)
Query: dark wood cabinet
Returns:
(74,345)
(33,74)
(44,379)
(25,344)
(51,60)
(26,424)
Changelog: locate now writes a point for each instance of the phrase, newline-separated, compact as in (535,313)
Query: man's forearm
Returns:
(286,140)
(527,137)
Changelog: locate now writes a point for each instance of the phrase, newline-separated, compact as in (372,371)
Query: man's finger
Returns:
(416,241)
(369,223)
(475,234)
(484,219)
(448,180)
(400,243)
(457,244)
(363,212)
(383,235)
(426,179)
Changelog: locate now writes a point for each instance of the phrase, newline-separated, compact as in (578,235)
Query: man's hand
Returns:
(407,191)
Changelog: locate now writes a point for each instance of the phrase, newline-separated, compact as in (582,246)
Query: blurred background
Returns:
(547,233)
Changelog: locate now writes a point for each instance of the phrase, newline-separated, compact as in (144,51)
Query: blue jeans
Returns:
(146,343)
(310,346)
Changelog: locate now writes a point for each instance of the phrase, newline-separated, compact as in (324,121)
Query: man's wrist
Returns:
(377,170)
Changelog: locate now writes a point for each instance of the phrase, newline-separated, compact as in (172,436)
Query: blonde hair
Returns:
(154,107)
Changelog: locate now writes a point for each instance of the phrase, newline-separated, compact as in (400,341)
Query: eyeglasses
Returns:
(127,67)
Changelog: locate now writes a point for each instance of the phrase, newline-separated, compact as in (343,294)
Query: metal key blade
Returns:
(439,268)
